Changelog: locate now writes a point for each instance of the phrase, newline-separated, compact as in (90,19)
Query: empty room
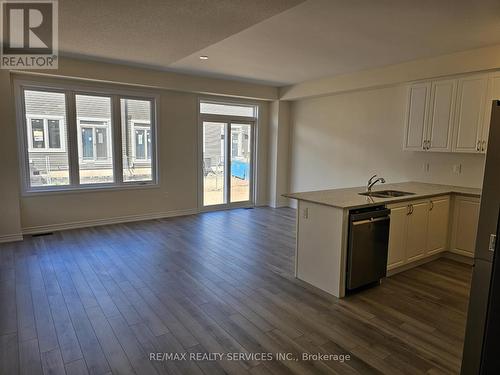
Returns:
(249,187)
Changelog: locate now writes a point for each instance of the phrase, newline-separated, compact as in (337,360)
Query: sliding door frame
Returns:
(227,121)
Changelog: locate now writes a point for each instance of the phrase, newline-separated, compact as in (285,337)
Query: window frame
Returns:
(45,119)
(70,90)
(141,125)
(254,122)
(109,145)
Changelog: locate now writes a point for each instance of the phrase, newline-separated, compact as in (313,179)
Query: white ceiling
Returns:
(274,41)
(155,33)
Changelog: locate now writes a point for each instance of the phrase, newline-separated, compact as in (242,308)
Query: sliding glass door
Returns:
(227,164)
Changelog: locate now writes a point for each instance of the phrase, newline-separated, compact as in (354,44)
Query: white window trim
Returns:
(253,121)
(71,89)
(46,118)
(109,142)
(141,125)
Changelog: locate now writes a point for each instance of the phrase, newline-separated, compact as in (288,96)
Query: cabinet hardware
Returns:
(478,146)
(483,148)
(432,206)
(493,242)
(408,211)
(411,209)
(428,144)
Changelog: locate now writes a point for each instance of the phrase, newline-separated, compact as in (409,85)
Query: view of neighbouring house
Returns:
(47,137)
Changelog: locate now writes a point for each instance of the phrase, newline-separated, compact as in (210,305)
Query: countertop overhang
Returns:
(347,198)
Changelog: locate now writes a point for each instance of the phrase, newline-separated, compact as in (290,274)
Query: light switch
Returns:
(457,168)
(305,213)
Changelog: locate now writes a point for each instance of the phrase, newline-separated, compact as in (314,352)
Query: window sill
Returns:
(90,189)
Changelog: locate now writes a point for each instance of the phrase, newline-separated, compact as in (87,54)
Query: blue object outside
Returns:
(240,169)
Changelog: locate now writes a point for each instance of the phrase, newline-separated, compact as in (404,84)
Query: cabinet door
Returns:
(416,114)
(397,237)
(493,94)
(440,128)
(319,234)
(437,234)
(416,240)
(465,222)
(469,113)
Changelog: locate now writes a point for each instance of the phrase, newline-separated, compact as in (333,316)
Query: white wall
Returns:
(341,140)
(278,139)
(178,166)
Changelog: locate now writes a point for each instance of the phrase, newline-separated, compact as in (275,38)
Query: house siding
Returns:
(45,104)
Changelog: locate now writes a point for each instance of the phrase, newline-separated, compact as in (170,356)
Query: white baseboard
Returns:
(11,238)
(100,222)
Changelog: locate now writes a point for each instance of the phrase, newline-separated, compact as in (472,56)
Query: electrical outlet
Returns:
(457,169)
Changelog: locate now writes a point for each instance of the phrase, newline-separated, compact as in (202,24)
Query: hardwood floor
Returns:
(99,300)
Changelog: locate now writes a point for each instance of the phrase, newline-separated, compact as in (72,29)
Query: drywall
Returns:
(10,221)
(279,138)
(474,60)
(177,192)
(341,140)
(178,159)
(114,73)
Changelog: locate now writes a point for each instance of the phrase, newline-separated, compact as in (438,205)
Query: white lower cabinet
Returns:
(416,237)
(437,234)
(465,221)
(418,229)
(397,236)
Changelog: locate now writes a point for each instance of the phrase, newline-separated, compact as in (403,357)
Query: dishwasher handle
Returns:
(371,220)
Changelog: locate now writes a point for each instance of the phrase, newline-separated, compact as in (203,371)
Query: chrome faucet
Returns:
(372,181)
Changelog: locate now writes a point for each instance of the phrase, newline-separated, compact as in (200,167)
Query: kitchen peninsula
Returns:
(425,223)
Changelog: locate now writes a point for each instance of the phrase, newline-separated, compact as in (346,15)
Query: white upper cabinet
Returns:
(451,115)
(416,114)
(469,113)
(493,94)
(440,120)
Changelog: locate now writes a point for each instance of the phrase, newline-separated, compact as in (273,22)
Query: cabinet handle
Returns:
(483,148)
(432,206)
(478,147)
(408,211)
(428,144)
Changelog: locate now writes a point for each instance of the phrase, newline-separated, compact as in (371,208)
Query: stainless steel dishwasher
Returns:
(368,243)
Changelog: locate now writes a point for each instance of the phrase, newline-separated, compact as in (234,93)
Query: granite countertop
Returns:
(349,197)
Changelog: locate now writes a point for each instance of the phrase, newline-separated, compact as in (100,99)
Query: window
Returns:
(47,158)
(137,136)
(95,152)
(69,138)
(226,136)
(45,133)
(228,109)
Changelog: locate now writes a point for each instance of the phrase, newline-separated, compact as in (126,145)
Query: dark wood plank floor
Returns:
(99,300)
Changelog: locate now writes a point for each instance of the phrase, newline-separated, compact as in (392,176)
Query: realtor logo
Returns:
(29,34)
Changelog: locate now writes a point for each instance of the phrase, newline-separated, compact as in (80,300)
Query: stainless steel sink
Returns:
(386,193)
